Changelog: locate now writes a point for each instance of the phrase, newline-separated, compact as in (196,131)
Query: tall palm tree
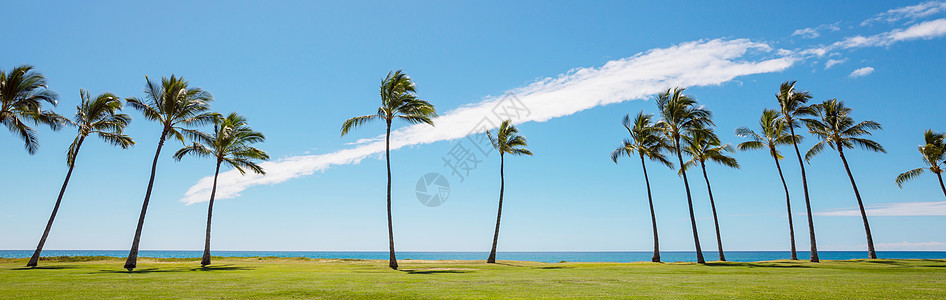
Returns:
(22,93)
(679,117)
(173,104)
(934,155)
(398,101)
(773,135)
(703,145)
(99,116)
(645,140)
(229,143)
(792,104)
(837,129)
(507,141)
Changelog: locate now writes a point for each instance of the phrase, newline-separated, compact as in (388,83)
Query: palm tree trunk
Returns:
(132,260)
(499,214)
(387,155)
(870,240)
(788,203)
(940,176)
(653,216)
(34,260)
(804,184)
(686,184)
(719,239)
(210,213)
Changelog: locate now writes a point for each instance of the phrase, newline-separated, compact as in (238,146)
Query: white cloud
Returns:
(912,12)
(699,63)
(903,209)
(861,72)
(926,30)
(813,32)
(915,246)
(832,62)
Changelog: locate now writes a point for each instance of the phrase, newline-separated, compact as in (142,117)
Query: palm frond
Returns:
(908,175)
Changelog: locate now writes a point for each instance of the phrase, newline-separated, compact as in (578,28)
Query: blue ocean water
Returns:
(550,257)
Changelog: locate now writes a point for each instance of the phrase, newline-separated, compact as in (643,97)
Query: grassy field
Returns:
(101,277)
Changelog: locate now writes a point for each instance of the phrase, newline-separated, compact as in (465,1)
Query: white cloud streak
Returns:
(861,72)
(832,62)
(926,30)
(912,12)
(814,32)
(699,63)
(903,209)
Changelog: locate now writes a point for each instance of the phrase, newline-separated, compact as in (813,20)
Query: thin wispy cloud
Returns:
(699,63)
(814,32)
(861,72)
(904,209)
(925,30)
(833,62)
(910,13)
(933,245)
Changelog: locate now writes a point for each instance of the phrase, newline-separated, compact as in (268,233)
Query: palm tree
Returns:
(837,130)
(173,104)
(792,104)
(22,93)
(703,145)
(934,155)
(99,116)
(679,117)
(773,135)
(645,140)
(507,140)
(398,101)
(229,143)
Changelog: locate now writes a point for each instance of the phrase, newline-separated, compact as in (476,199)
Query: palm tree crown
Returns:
(645,140)
(101,117)
(774,134)
(703,145)
(174,104)
(837,129)
(229,143)
(934,155)
(792,103)
(508,141)
(22,93)
(398,101)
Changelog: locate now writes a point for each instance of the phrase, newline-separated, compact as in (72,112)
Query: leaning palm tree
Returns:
(680,116)
(507,141)
(398,101)
(645,140)
(837,129)
(229,143)
(773,135)
(173,104)
(703,145)
(100,117)
(22,93)
(792,104)
(934,155)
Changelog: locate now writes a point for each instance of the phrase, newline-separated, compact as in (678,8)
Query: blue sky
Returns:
(297,70)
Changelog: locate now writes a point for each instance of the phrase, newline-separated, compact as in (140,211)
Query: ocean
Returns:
(549,257)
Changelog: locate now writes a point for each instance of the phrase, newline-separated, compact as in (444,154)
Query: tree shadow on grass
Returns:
(434,271)
(757,264)
(46,268)
(177,270)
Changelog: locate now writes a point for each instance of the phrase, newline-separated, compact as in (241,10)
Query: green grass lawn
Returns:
(331,278)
